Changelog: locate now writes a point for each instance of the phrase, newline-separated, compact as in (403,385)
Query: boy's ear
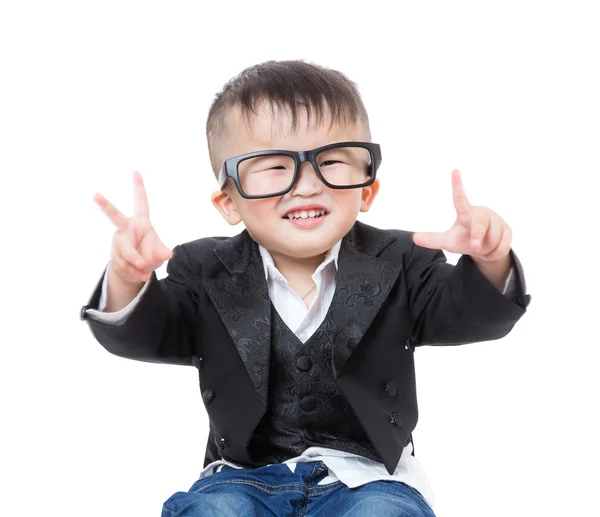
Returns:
(225,204)
(368,195)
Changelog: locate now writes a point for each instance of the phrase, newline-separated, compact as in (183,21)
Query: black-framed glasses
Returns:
(270,173)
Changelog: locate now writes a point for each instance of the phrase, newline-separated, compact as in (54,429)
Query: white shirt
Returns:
(351,469)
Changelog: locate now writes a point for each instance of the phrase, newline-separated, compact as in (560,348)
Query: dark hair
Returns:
(285,84)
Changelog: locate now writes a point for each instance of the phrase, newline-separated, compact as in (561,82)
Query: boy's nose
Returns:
(307,182)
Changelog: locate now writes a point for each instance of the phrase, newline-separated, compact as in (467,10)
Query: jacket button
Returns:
(83,314)
(308,403)
(208,395)
(310,435)
(197,361)
(220,443)
(304,363)
(408,345)
(390,388)
(393,419)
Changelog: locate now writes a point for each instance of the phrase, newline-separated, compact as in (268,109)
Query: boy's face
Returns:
(265,219)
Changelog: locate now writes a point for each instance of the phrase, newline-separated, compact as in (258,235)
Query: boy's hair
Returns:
(286,85)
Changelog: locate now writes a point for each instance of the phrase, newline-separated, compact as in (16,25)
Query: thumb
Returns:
(433,240)
(159,250)
(166,253)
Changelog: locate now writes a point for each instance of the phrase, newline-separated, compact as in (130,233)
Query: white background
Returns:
(91,91)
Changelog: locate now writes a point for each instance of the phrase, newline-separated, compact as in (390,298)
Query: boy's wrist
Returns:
(120,292)
(495,271)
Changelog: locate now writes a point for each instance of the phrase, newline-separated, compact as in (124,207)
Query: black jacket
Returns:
(212,311)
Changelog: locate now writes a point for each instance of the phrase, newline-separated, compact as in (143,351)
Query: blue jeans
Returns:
(276,491)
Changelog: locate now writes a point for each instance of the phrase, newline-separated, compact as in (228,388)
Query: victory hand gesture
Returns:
(478,231)
(136,249)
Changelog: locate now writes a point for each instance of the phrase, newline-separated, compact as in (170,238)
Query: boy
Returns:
(303,326)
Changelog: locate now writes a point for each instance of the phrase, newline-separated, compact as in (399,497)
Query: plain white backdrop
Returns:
(91,91)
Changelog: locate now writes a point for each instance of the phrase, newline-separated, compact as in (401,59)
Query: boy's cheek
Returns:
(258,215)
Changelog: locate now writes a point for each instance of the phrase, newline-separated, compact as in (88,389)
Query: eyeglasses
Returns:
(262,174)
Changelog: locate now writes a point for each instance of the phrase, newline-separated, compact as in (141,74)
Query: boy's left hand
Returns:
(478,231)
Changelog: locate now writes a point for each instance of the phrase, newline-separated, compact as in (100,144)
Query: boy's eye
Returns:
(262,164)
(329,162)
(270,168)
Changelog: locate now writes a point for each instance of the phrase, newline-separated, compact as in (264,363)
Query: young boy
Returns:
(303,326)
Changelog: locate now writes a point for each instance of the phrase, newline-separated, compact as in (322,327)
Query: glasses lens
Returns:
(265,175)
(345,166)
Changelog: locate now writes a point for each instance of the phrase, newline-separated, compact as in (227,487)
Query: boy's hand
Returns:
(478,231)
(136,249)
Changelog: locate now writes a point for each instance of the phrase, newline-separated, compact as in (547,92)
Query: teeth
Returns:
(305,215)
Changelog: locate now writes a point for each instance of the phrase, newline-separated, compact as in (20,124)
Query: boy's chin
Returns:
(298,247)
(308,247)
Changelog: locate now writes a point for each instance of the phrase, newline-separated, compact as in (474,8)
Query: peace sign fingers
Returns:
(118,219)
(141,204)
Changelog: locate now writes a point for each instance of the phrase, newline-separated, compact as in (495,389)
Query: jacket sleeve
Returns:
(116,317)
(453,305)
(161,327)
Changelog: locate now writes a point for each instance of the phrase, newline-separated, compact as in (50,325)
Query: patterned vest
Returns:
(305,405)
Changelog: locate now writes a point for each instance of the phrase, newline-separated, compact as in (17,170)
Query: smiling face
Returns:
(311,218)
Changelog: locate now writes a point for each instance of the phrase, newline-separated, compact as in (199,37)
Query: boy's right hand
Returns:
(136,248)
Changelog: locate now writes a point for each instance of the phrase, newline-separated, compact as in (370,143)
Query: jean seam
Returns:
(317,468)
(254,481)
(257,482)
(271,490)
(320,490)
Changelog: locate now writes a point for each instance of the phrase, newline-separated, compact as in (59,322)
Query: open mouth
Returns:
(305,214)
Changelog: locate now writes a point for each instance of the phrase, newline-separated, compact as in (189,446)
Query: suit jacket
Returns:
(212,311)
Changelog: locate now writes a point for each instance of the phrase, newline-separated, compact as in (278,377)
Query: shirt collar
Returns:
(331,257)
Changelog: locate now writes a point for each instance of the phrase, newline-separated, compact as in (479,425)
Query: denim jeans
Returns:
(275,490)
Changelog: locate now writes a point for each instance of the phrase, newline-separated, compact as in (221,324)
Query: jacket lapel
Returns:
(242,301)
(241,297)
(363,283)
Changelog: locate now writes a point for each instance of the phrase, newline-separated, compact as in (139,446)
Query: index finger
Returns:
(141,199)
(461,203)
(118,219)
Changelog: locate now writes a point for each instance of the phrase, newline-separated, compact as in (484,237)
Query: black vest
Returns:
(305,405)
